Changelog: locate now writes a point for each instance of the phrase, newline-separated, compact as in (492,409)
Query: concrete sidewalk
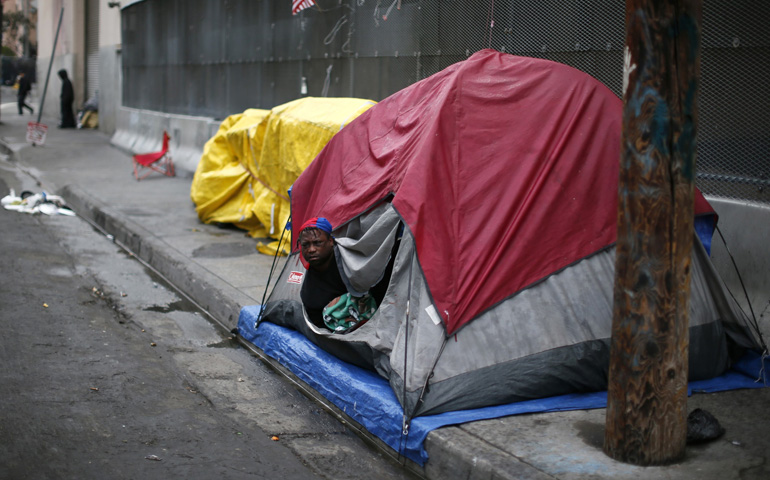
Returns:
(220,269)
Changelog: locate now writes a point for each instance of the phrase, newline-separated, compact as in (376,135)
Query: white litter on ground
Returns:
(36,203)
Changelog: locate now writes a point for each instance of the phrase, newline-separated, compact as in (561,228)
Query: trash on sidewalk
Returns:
(42,202)
(702,427)
(88,116)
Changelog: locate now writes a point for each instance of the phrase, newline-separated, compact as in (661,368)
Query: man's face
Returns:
(317,247)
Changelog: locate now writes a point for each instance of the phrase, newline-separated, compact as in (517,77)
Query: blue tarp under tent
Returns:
(368,399)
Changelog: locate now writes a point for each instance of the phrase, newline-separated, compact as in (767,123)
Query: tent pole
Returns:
(406,419)
(753,324)
(270,275)
(646,421)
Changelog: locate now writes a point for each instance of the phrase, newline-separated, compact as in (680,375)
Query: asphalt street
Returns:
(88,391)
(110,373)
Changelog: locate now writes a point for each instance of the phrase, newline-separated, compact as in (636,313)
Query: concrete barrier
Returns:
(141,131)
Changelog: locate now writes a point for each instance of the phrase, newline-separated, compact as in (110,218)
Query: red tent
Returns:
(503,172)
(491,213)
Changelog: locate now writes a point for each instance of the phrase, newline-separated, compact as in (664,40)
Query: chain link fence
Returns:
(216,58)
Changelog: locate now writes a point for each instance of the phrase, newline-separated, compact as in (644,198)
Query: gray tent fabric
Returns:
(363,248)
(549,339)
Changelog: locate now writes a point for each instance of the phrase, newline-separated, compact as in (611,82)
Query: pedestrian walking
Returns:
(24,88)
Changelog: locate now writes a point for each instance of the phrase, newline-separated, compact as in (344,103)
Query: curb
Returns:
(217,298)
(456,453)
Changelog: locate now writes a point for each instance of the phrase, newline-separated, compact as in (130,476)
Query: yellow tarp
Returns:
(248,166)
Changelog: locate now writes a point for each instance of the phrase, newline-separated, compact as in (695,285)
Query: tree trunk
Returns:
(646,421)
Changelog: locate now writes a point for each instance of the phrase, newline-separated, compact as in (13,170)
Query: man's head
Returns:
(62,74)
(316,243)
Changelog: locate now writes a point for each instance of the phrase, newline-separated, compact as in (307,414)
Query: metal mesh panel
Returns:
(215,58)
(734,124)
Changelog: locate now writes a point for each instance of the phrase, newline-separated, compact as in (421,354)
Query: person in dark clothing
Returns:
(323,282)
(24,88)
(66,98)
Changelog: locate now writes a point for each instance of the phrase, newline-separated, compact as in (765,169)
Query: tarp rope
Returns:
(272,270)
(264,184)
(753,323)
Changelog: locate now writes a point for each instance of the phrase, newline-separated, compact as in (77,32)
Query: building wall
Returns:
(109,87)
(110,65)
(68,53)
(109,24)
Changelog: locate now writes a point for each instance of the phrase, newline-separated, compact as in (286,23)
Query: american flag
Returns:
(299,5)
